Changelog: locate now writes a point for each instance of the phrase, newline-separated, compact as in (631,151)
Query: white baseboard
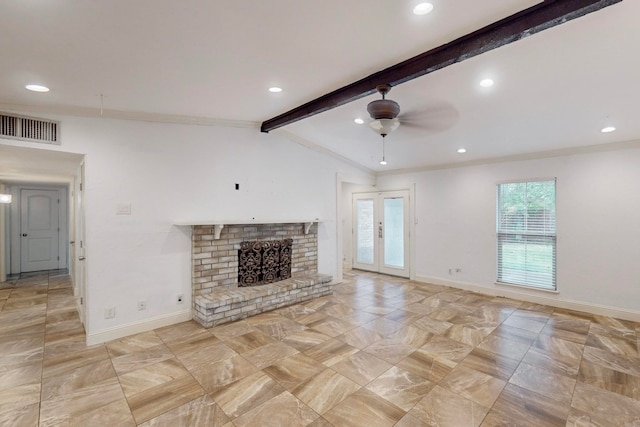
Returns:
(554,300)
(137,327)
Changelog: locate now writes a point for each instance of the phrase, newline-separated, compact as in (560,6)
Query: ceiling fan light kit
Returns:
(384,126)
(384,113)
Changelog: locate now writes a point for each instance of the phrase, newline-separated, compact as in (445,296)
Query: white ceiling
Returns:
(216,59)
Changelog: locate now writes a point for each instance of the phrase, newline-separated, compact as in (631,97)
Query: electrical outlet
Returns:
(109,313)
(180,299)
(142,305)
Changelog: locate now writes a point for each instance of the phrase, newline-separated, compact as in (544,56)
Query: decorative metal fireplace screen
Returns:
(262,262)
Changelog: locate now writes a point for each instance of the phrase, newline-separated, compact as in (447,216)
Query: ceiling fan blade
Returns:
(434,118)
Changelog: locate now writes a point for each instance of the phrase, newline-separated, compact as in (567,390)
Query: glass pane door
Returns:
(394,232)
(381,232)
(365,253)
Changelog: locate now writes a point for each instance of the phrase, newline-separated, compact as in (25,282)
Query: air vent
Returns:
(29,129)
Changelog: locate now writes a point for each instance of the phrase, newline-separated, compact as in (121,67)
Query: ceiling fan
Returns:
(435,117)
(386,117)
(384,112)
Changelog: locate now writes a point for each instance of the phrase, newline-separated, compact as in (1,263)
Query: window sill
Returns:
(533,288)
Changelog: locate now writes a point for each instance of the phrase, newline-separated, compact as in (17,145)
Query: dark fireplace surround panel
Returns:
(262,262)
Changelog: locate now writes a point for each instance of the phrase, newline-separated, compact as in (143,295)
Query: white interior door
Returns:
(39,229)
(381,232)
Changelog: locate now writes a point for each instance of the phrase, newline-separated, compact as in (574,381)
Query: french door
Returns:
(381,232)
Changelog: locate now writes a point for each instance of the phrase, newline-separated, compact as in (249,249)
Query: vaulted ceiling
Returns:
(214,61)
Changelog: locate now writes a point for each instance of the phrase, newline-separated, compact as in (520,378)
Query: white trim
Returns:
(340,180)
(554,301)
(525,180)
(614,146)
(138,327)
(252,221)
(210,121)
(412,231)
(131,115)
(3,239)
(338,277)
(533,288)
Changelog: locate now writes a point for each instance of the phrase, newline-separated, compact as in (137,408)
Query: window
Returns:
(526,229)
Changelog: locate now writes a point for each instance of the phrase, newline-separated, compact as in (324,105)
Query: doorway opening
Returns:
(44,217)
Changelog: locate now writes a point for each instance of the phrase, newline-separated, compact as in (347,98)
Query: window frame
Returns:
(502,235)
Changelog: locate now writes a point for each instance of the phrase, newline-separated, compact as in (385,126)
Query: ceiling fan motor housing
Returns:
(383,109)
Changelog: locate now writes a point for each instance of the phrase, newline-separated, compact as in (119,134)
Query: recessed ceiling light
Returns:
(383,162)
(486,83)
(358,121)
(462,150)
(607,129)
(275,89)
(422,8)
(37,88)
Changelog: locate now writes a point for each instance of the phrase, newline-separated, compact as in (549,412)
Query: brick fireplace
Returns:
(215,261)
(215,251)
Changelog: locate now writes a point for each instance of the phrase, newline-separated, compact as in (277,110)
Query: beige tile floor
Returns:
(381,351)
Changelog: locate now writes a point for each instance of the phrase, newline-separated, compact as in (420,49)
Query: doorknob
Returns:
(81,258)
(24,234)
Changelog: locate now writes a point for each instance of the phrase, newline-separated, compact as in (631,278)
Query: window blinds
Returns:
(526,233)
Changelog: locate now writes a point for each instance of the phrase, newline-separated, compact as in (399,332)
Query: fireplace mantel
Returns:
(218,225)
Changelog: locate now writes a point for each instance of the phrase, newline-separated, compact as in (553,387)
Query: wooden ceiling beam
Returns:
(540,17)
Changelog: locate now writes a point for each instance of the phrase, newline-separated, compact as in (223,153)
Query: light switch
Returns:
(123,209)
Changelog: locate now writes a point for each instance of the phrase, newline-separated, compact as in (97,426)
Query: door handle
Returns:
(81,258)
(24,234)
(380,231)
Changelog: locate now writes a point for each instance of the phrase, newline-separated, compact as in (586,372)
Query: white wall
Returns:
(598,249)
(171,173)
